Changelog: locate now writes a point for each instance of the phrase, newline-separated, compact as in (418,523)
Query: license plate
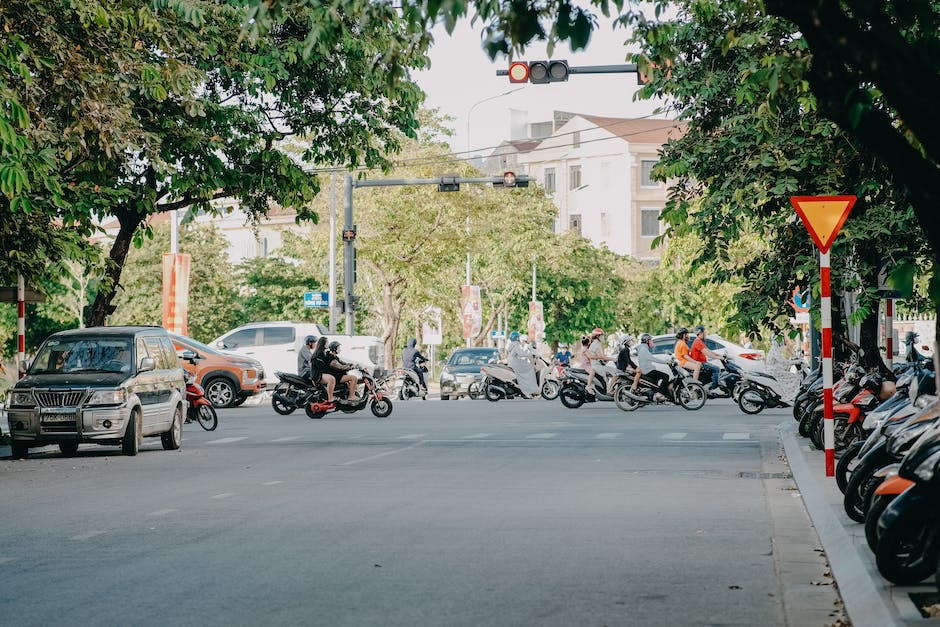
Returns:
(59,418)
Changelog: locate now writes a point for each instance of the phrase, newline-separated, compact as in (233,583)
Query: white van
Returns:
(276,345)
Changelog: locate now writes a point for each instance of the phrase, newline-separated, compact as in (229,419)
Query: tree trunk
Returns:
(391,320)
(129,219)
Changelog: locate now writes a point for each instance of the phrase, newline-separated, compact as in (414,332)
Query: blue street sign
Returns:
(497,335)
(317,299)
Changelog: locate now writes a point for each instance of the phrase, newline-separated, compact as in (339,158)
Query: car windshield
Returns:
(68,355)
(471,358)
(189,343)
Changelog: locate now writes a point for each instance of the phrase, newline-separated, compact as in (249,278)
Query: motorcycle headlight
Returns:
(108,397)
(928,467)
(873,420)
(22,398)
(906,436)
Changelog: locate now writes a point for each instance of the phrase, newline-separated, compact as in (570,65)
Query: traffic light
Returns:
(511,179)
(449,183)
(538,72)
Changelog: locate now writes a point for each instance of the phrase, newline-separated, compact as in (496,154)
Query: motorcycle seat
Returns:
(577,371)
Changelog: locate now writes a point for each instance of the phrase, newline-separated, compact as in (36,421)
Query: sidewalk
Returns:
(870,600)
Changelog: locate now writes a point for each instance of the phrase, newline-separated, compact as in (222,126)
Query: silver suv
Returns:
(102,385)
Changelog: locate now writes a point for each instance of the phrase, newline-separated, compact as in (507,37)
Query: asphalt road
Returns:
(446,513)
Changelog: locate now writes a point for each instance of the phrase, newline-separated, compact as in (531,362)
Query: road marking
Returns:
(7,560)
(541,436)
(674,436)
(386,453)
(412,436)
(224,495)
(226,440)
(607,436)
(272,482)
(736,436)
(477,436)
(288,438)
(161,512)
(88,535)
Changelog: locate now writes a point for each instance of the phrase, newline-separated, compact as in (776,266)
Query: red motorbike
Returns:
(200,408)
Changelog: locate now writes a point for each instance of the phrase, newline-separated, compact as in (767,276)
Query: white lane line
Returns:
(541,436)
(607,436)
(224,495)
(161,512)
(477,436)
(88,535)
(272,482)
(6,560)
(226,440)
(674,436)
(736,436)
(411,436)
(288,438)
(386,453)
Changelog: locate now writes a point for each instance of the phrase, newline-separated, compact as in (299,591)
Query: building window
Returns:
(574,223)
(605,225)
(646,172)
(549,180)
(576,139)
(574,177)
(649,221)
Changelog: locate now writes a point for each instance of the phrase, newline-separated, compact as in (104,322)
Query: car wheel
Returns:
(221,392)
(68,448)
(130,443)
(173,438)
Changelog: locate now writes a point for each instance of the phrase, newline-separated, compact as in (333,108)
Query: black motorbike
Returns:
(295,392)
(573,392)
(685,391)
(729,378)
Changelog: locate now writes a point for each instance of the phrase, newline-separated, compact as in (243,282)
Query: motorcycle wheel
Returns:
(901,556)
(207,417)
(857,492)
(550,389)
(571,397)
(381,407)
(750,401)
(807,423)
(879,503)
(845,467)
(473,390)
(493,393)
(841,437)
(692,395)
(736,390)
(623,400)
(281,406)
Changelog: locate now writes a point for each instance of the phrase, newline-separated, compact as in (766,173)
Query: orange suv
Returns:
(227,379)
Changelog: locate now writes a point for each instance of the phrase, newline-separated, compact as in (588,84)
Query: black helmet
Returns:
(681,332)
(698,329)
(333,346)
(310,339)
(646,337)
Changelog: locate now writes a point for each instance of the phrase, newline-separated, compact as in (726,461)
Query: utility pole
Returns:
(332,294)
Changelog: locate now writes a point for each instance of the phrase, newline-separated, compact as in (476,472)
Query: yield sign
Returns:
(823,216)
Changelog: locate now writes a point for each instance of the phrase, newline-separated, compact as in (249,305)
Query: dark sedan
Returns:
(462,369)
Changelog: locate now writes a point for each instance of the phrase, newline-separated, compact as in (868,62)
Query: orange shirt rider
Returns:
(681,351)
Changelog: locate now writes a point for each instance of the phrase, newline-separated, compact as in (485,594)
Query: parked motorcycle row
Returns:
(887,443)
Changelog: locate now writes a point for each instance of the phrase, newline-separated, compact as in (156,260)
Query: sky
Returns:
(462,75)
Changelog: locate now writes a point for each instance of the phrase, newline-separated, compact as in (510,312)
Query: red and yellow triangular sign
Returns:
(823,216)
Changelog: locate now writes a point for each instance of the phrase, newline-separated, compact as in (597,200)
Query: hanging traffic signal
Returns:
(538,72)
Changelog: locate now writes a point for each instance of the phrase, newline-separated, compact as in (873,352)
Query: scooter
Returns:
(573,393)
(372,394)
(199,407)
(686,391)
(292,392)
(408,385)
(729,377)
(500,382)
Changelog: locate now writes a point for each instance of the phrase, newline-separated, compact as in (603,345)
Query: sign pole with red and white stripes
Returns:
(889,332)
(825,305)
(20,324)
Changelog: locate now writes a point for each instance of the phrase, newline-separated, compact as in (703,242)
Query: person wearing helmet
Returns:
(646,367)
(519,357)
(701,354)
(624,357)
(412,359)
(681,353)
(320,369)
(304,355)
(341,371)
(598,361)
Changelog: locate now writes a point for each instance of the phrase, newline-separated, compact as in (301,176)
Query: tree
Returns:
(167,106)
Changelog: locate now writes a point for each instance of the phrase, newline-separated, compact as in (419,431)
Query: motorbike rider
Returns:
(304,356)
(320,368)
(701,353)
(519,357)
(341,371)
(563,356)
(412,359)
(595,353)
(646,361)
(681,353)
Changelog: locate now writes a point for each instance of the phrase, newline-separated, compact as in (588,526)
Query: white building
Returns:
(597,171)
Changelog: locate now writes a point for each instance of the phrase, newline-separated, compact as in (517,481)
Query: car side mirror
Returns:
(220,344)
(190,356)
(147,364)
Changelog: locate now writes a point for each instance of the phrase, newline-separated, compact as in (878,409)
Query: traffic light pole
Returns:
(448,183)
(620,68)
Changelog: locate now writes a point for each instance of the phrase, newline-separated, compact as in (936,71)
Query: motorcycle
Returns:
(573,392)
(759,390)
(686,391)
(198,407)
(847,418)
(293,392)
(500,382)
(550,376)
(729,378)
(372,395)
(408,385)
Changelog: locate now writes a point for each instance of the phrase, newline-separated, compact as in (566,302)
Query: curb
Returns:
(866,595)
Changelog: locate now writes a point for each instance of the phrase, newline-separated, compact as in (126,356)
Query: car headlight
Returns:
(906,436)
(249,374)
(446,376)
(926,469)
(22,398)
(108,397)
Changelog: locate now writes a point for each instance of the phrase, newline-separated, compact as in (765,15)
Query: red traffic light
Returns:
(519,72)
(509,179)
